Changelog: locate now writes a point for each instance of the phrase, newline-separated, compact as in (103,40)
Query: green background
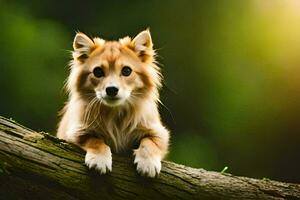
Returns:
(231,67)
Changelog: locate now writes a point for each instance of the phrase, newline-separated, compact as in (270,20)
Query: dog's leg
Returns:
(98,154)
(151,151)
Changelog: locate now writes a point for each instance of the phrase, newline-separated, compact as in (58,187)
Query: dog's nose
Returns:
(112,91)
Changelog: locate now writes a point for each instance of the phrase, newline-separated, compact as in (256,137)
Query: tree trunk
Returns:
(37,165)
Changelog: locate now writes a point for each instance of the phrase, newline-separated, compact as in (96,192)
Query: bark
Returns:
(36,165)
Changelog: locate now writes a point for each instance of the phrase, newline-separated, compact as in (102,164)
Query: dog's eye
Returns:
(98,72)
(126,71)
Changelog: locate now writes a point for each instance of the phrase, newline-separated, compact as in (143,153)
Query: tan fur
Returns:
(90,123)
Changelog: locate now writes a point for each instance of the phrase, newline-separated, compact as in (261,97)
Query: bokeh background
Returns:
(231,67)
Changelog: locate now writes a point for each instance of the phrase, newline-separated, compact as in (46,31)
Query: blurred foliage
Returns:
(232,73)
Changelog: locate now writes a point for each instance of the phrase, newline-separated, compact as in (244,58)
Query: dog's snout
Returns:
(112,91)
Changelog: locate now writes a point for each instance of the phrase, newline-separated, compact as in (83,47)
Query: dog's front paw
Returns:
(147,165)
(102,162)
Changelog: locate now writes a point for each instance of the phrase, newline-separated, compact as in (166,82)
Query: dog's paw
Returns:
(147,165)
(102,162)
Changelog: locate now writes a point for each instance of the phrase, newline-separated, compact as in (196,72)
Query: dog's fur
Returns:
(101,125)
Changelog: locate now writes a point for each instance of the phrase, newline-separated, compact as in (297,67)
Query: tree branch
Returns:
(39,166)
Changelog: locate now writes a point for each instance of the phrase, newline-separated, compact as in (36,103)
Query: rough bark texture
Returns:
(39,166)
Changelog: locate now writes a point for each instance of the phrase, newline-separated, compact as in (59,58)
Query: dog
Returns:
(113,90)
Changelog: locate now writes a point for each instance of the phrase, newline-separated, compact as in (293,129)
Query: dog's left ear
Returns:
(143,46)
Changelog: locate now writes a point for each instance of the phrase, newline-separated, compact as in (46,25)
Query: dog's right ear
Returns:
(82,46)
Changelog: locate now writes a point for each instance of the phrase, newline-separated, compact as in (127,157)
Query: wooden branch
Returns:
(39,166)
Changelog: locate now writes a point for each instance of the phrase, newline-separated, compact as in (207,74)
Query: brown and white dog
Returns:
(113,102)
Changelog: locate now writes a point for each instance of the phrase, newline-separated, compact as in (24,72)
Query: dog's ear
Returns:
(82,46)
(143,46)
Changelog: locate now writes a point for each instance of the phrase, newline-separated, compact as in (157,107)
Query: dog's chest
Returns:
(120,135)
(120,131)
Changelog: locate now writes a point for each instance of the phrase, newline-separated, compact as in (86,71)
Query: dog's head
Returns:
(114,72)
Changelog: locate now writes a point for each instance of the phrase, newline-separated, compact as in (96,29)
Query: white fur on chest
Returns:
(122,131)
(120,138)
